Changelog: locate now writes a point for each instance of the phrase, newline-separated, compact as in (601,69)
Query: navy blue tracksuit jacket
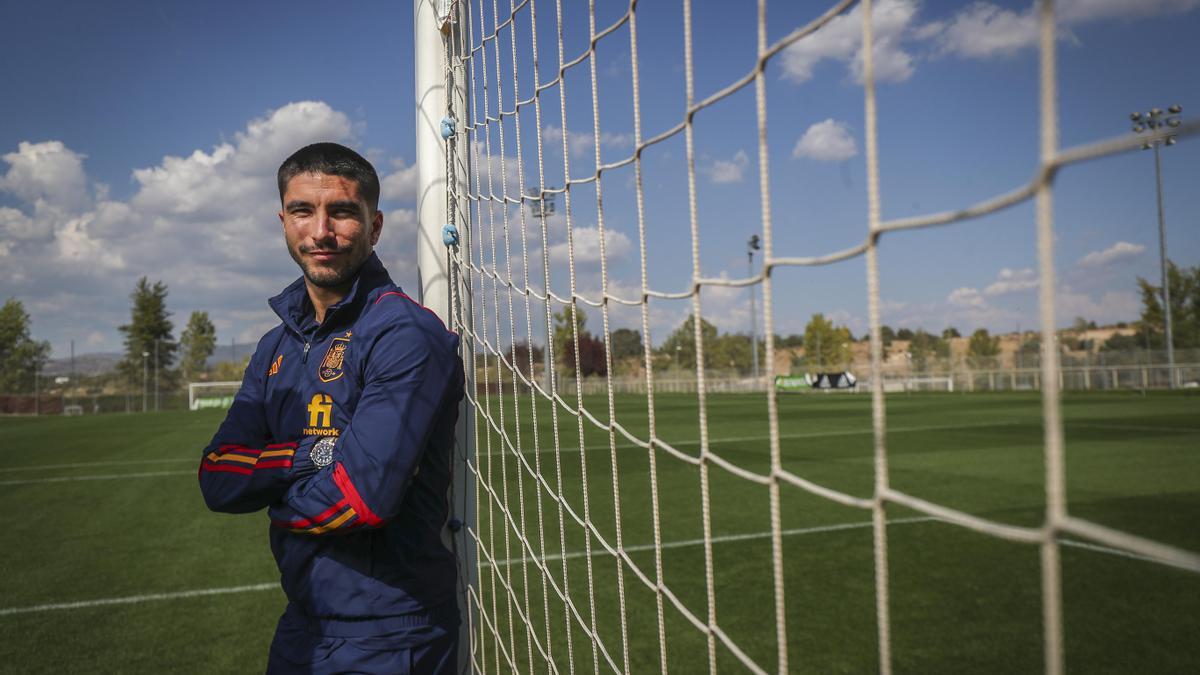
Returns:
(358,541)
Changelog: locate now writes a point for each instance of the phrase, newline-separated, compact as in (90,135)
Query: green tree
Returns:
(197,343)
(149,324)
(591,359)
(983,344)
(21,357)
(887,335)
(924,346)
(231,371)
(732,350)
(826,345)
(1122,343)
(904,334)
(951,332)
(1185,308)
(680,346)
(792,340)
(626,343)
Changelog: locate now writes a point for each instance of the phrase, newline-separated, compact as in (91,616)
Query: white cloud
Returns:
(729,170)
(1012,281)
(587,246)
(828,141)
(986,30)
(582,143)
(841,40)
(16,225)
(1109,307)
(204,223)
(400,185)
(1118,252)
(46,173)
(966,297)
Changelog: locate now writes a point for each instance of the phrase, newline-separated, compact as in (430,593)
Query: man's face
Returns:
(329,228)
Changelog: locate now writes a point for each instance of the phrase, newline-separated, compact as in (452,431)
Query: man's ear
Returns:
(376,226)
(282,222)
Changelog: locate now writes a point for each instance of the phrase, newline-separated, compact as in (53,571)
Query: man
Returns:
(343,430)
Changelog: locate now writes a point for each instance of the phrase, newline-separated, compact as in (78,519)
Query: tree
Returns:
(982,344)
(732,350)
(904,334)
(887,335)
(826,345)
(680,346)
(792,340)
(626,343)
(924,346)
(951,332)
(591,359)
(521,353)
(197,343)
(21,357)
(1122,343)
(149,324)
(1185,308)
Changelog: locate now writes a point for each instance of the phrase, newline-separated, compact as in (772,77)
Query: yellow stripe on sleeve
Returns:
(331,525)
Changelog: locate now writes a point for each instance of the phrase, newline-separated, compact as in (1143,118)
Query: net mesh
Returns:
(555,572)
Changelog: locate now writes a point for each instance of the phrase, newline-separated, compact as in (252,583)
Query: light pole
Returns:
(752,246)
(156,341)
(145,373)
(1152,121)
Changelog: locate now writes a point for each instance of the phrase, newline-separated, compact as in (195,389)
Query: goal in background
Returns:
(549,560)
(205,395)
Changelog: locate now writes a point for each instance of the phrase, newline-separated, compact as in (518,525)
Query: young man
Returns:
(343,430)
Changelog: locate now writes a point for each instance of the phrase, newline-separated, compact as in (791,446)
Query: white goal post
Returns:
(204,395)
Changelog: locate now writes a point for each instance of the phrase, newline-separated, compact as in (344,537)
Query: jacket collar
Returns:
(295,309)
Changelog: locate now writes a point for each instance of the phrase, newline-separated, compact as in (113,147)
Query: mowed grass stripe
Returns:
(137,599)
(636,548)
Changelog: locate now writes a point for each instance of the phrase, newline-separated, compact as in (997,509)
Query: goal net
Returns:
(206,395)
(616,531)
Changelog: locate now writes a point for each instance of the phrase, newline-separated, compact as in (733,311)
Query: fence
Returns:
(966,380)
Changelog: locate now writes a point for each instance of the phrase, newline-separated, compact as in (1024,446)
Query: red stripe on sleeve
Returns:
(306,522)
(208,466)
(274,464)
(239,448)
(366,515)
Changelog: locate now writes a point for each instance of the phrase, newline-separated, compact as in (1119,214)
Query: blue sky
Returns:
(141,139)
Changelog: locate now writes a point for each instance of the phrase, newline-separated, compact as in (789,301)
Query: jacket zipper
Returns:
(304,356)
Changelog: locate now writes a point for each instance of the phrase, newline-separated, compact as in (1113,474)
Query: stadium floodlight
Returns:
(751,246)
(1153,120)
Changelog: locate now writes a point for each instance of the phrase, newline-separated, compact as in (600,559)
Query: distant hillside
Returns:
(85,364)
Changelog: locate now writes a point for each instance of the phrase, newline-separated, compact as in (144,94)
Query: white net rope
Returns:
(541,546)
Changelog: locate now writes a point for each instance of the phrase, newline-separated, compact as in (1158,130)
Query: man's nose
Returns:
(323,227)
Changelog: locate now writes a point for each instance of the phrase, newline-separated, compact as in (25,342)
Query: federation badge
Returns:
(335,357)
(322,452)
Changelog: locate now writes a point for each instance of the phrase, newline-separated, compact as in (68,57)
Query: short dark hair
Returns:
(334,160)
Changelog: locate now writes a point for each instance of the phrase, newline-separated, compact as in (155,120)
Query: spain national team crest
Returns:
(331,365)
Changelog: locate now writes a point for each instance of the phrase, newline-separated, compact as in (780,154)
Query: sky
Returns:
(141,139)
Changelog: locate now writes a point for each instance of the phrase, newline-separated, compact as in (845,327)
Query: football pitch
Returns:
(109,561)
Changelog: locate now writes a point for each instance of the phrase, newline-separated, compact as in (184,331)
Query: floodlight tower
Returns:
(1151,122)
(751,246)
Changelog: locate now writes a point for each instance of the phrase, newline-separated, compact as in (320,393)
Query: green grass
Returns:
(960,601)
